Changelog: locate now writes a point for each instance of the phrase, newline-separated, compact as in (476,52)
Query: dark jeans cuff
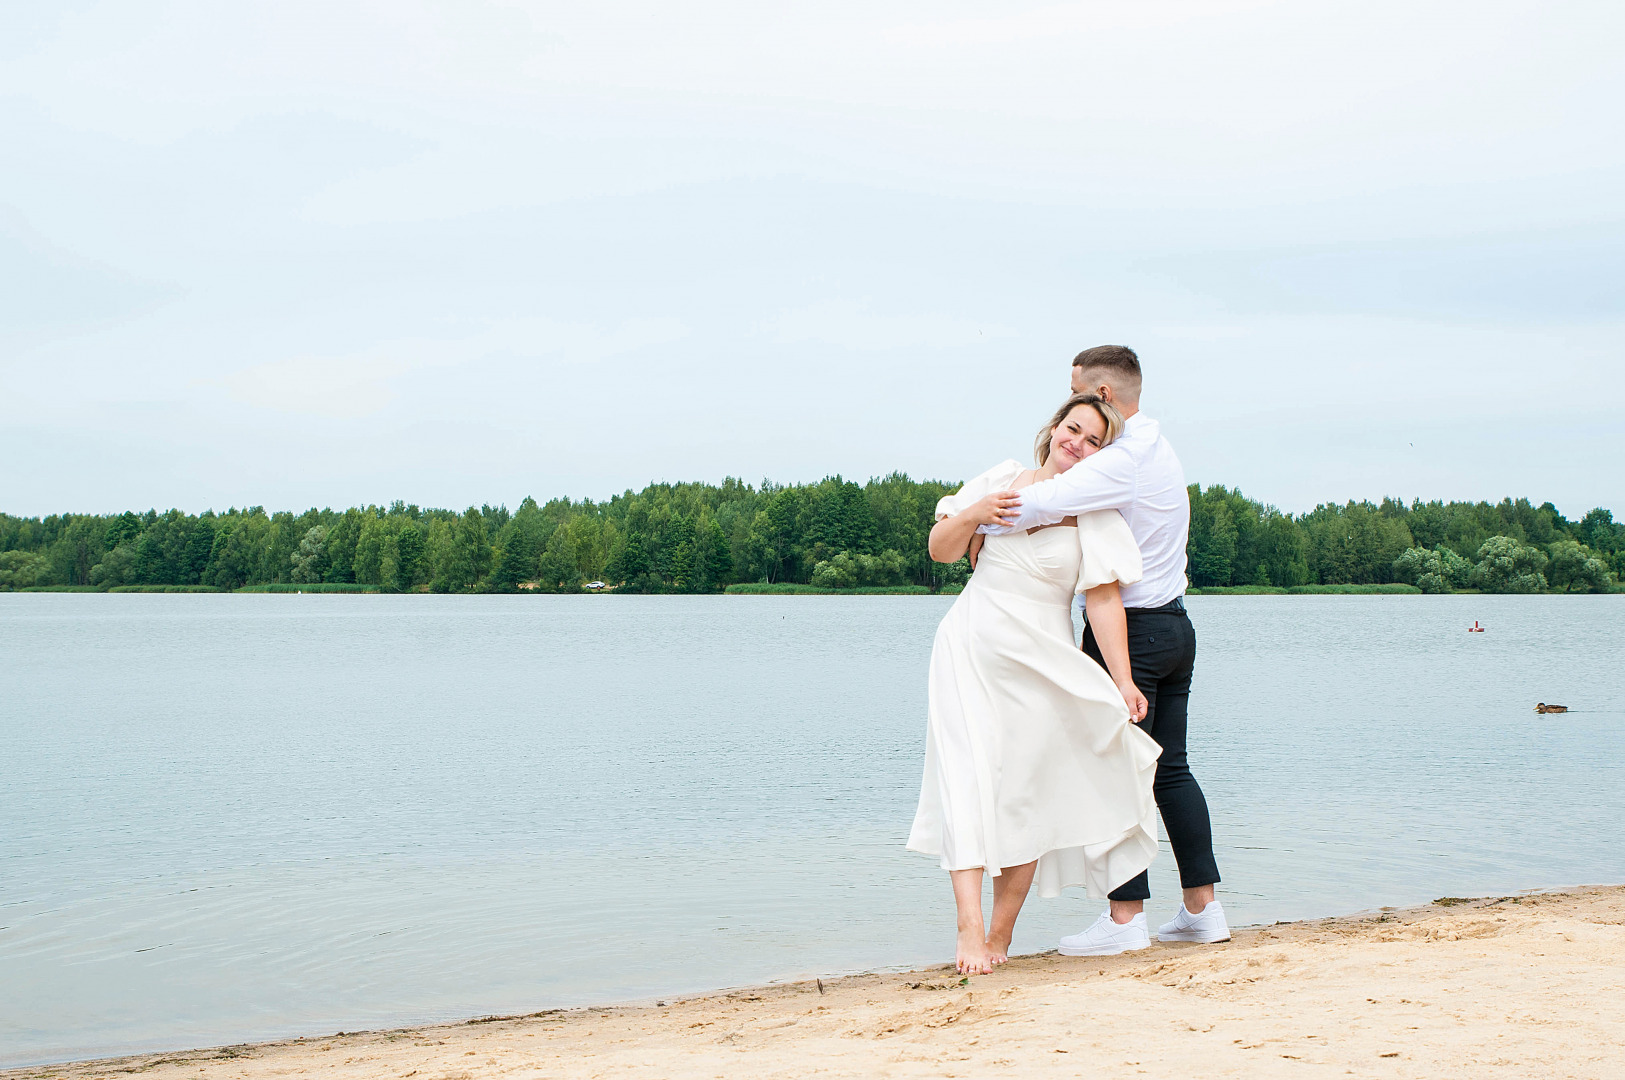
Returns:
(1139,888)
(1199,876)
(1135,888)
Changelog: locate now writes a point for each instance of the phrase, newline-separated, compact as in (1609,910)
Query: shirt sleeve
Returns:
(1103,481)
(1109,551)
(995,479)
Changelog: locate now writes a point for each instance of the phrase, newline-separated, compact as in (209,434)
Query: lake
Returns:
(232,818)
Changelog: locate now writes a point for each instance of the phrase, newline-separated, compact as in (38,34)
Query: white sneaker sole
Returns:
(1105,950)
(1199,937)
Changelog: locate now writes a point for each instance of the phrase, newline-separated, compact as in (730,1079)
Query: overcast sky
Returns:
(336,252)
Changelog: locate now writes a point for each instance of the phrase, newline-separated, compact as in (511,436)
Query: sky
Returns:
(334,253)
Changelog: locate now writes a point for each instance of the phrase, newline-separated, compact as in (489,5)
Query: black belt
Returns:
(1176,606)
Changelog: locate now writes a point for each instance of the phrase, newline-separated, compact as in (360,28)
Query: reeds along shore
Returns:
(1515,986)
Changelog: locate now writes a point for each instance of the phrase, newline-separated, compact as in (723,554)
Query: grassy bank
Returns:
(1390,589)
(783,588)
(312,588)
(164,588)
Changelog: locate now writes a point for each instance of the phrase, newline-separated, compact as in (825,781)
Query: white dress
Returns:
(1029,752)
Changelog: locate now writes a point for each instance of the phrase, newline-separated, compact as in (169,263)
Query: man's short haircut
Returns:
(1118,363)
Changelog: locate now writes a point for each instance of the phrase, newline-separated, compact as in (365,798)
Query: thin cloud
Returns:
(368,382)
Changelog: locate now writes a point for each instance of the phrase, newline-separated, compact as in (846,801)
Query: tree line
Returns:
(699,538)
(1510,546)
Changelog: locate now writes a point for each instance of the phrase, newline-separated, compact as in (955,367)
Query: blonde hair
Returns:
(1108,413)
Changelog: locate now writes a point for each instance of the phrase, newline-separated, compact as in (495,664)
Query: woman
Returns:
(1033,767)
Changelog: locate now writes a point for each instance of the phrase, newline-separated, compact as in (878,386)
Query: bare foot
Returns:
(998,948)
(975,958)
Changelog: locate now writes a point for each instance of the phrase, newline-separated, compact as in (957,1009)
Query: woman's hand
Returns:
(975,552)
(999,508)
(1137,705)
(952,535)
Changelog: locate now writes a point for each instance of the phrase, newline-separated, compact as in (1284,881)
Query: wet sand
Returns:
(1525,986)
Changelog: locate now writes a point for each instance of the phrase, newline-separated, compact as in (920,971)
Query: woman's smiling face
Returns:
(1082,433)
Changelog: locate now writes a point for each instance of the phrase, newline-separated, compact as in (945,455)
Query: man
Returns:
(1140,476)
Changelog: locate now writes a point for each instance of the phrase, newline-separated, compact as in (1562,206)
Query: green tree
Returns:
(774,532)
(468,558)
(310,561)
(160,550)
(1602,534)
(369,549)
(1354,543)
(590,541)
(836,517)
(557,570)
(1576,568)
(714,560)
(840,572)
(629,564)
(1507,566)
(439,538)
(199,545)
(954,575)
(478,539)
(118,567)
(76,550)
(849,569)
(1598,531)
(23,569)
(122,529)
(277,548)
(1211,548)
(1437,571)
(678,565)
(1279,551)
(518,549)
(239,549)
(903,512)
(342,539)
(408,555)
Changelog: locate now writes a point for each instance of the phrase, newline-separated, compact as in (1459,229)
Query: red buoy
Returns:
(1475,628)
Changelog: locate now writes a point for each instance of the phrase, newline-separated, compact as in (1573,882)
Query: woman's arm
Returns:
(1104,605)
(951,535)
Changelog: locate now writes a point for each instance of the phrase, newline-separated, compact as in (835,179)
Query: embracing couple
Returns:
(1046,763)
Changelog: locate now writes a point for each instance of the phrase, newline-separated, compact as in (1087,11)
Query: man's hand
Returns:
(1137,705)
(976,542)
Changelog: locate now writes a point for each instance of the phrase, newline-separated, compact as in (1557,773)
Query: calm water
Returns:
(226,818)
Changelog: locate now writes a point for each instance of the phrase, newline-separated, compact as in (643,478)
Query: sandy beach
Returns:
(1520,986)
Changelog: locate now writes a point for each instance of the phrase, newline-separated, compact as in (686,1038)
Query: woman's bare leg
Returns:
(973,956)
(1009,893)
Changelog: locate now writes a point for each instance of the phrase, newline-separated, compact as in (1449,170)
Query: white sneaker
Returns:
(1206,927)
(1107,938)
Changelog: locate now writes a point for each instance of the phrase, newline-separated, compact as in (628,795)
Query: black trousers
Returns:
(1162,653)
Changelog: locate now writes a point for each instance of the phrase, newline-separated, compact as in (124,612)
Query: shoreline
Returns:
(1495,986)
(754,590)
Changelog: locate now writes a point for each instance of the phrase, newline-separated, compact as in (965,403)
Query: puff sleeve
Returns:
(1109,550)
(997,478)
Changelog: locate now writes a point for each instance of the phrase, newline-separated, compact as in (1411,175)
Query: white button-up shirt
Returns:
(1139,475)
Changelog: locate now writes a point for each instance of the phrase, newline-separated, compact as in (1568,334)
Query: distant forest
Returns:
(699,538)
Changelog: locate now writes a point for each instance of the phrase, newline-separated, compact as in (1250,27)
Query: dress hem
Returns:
(1048,886)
